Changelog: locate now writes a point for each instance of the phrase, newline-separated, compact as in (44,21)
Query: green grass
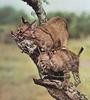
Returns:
(7,27)
(17,71)
(75,45)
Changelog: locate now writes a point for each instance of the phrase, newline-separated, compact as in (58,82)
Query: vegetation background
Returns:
(17,70)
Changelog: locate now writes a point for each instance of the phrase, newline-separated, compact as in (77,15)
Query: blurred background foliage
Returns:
(79,24)
(9,20)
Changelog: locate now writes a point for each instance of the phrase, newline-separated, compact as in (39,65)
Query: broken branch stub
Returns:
(67,93)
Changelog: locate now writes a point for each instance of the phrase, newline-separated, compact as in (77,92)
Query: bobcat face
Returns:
(50,35)
(24,39)
(28,46)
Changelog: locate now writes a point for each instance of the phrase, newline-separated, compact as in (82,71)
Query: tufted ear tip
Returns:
(12,33)
(23,20)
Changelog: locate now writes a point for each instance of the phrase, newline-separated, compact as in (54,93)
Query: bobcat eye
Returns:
(42,49)
(43,42)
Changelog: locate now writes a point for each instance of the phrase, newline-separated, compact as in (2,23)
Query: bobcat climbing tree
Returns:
(55,87)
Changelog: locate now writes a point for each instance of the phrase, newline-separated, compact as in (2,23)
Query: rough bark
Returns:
(65,93)
(37,6)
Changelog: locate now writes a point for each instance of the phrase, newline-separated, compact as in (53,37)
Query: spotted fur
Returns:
(50,35)
(60,61)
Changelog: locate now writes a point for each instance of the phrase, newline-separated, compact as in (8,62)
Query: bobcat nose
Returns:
(33,36)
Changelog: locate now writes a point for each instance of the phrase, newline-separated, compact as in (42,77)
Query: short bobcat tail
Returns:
(81,50)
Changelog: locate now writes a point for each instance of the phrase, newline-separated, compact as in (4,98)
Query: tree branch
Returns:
(63,93)
(37,7)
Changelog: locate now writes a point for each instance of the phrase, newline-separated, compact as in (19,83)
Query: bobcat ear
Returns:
(33,24)
(23,20)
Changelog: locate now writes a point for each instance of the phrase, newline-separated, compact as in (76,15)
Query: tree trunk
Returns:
(37,6)
(65,93)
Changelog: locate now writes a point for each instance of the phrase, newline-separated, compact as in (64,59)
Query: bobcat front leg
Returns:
(76,78)
(48,83)
(66,78)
